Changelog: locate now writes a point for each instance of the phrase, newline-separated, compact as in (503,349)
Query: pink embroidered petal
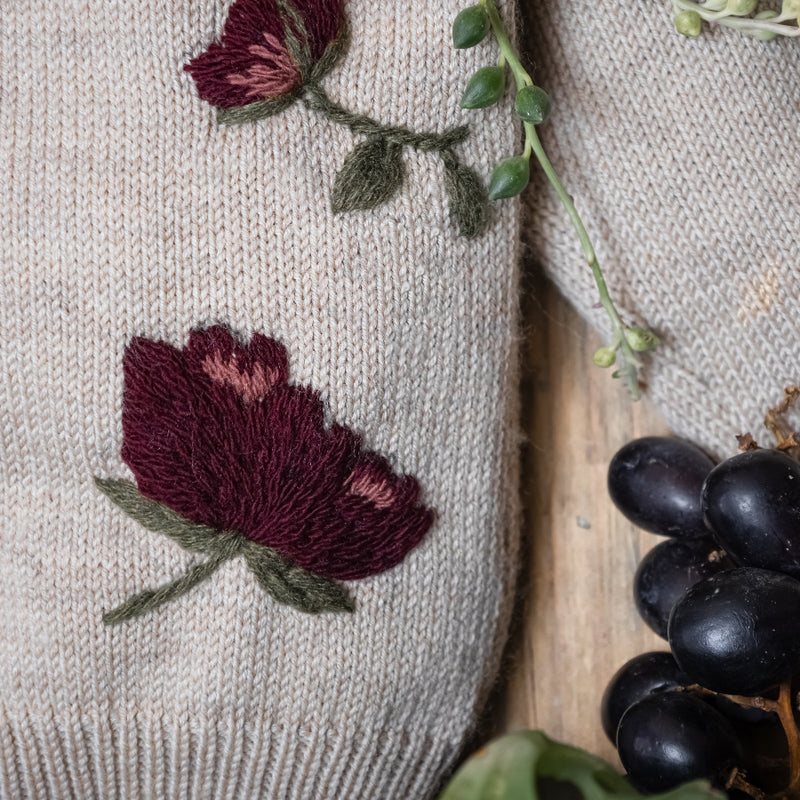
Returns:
(251,372)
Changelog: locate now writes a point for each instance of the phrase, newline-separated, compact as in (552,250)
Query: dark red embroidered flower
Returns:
(267,50)
(216,433)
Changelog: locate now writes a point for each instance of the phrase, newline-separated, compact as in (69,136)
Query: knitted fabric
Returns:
(127,211)
(683,157)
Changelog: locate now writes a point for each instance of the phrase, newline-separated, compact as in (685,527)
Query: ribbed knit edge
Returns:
(231,758)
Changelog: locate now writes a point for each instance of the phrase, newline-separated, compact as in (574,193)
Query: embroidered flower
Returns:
(268,50)
(232,460)
(274,52)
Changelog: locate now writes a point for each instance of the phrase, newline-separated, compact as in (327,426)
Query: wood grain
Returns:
(576,624)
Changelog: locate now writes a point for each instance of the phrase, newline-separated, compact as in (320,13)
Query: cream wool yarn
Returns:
(684,161)
(125,210)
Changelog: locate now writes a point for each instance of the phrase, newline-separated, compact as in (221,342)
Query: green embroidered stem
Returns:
(373,172)
(150,599)
(316,99)
(285,581)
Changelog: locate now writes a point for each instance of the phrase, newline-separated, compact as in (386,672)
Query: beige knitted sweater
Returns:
(684,159)
(125,210)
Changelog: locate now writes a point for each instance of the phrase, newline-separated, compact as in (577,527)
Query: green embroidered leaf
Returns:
(469,202)
(292,585)
(158,518)
(333,52)
(255,111)
(369,176)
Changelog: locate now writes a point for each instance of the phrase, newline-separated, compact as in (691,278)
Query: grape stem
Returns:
(776,423)
(737,781)
(629,363)
(764,703)
(785,711)
(786,714)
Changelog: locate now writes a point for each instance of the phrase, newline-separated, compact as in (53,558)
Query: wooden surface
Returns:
(576,624)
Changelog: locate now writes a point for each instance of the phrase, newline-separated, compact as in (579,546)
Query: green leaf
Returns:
(470,27)
(293,585)
(255,111)
(369,176)
(332,55)
(533,104)
(158,518)
(467,196)
(641,340)
(485,88)
(509,178)
(518,766)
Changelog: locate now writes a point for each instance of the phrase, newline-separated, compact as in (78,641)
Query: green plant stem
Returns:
(150,599)
(533,145)
(317,99)
(772,25)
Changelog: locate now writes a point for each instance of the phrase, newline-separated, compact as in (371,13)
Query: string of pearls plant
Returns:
(741,15)
(510,177)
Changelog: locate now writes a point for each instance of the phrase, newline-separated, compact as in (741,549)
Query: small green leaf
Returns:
(293,585)
(369,176)
(604,356)
(641,340)
(509,178)
(467,194)
(332,55)
(470,27)
(789,8)
(688,22)
(158,518)
(485,88)
(533,104)
(741,8)
(253,112)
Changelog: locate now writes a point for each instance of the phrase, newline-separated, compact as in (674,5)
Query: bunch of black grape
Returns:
(724,590)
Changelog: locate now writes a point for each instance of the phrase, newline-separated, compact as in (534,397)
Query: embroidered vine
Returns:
(232,461)
(273,53)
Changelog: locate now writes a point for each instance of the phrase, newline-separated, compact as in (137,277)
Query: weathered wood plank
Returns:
(578,623)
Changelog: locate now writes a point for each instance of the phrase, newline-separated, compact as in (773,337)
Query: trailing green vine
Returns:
(510,177)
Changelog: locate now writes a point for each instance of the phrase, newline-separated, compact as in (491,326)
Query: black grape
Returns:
(738,632)
(668,570)
(639,677)
(656,483)
(669,738)
(752,504)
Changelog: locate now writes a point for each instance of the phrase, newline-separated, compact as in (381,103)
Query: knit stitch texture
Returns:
(126,210)
(683,157)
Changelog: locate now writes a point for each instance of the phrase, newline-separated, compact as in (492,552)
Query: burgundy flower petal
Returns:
(323,20)
(173,441)
(217,433)
(251,61)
